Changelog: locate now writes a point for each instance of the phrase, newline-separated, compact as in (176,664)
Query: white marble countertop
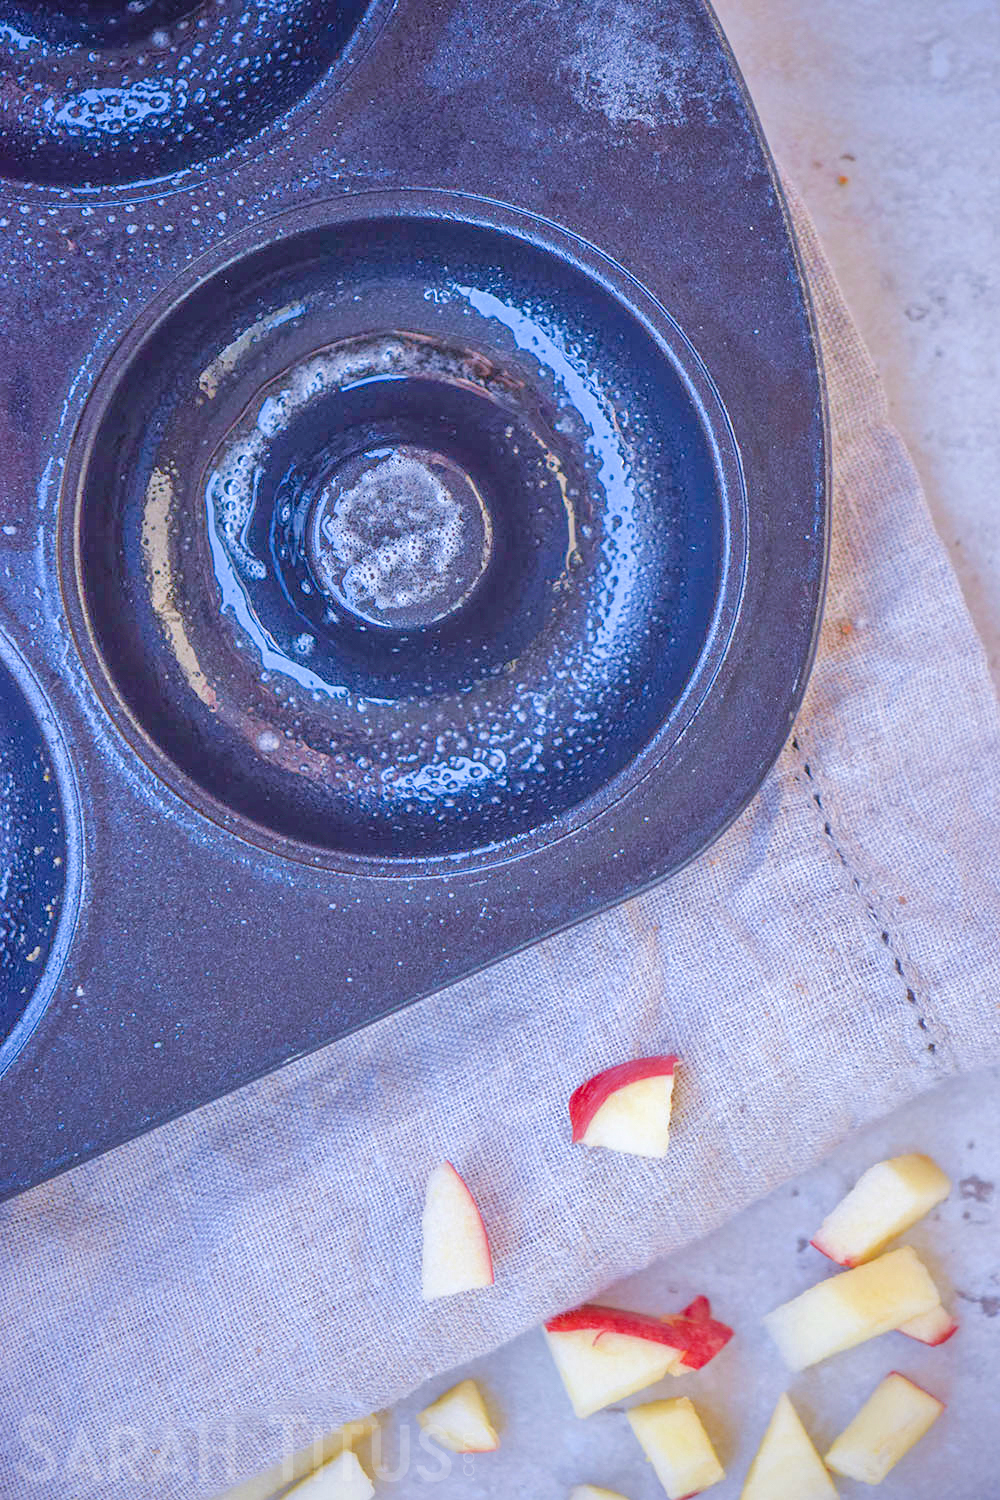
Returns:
(886,113)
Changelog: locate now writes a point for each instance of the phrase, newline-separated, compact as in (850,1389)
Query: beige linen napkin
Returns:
(177,1313)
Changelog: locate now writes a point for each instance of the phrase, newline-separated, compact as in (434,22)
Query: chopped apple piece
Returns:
(459,1420)
(885,1201)
(592,1315)
(303,1461)
(699,1339)
(933,1328)
(593,1492)
(677,1446)
(787,1466)
(342,1478)
(604,1354)
(456,1250)
(895,1416)
(626,1108)
(851,1307)
(599,1368)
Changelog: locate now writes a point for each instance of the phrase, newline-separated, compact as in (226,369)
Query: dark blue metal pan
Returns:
(414,512)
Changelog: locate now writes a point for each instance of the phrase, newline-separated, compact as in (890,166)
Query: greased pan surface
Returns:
(413,524)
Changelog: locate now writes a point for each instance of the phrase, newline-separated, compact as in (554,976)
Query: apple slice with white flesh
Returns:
(851,1307)
(885,1201)
(304,1463)
(593,1492)
(698,1338)
(598,1368)
(932,1328)
(626,1108)
(342,1478)
(677,1445)
(604,1354)
(787,1466)
(895,1416)
(456,1249)
(459,1420)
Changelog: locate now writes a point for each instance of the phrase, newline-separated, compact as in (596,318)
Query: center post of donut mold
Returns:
(399,536)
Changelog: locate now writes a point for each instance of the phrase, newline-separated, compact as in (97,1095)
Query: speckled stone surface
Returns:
(886,114)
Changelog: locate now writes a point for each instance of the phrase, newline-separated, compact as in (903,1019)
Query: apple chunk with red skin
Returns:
(885,1201)
(697,1339)
(853,1306)
(895,1416)
(598,1368)
(456,1255)
(626,1108)
(604,1354)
